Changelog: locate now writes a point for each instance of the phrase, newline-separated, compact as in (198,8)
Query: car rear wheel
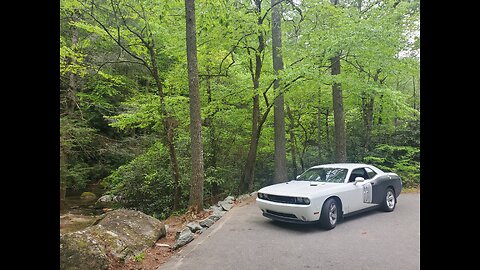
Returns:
(389,200)
(330,214)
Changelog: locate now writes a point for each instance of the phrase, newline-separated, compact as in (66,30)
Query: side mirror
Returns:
(298,176)
(358,179)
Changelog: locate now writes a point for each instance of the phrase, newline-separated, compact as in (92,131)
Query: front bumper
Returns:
(293,213)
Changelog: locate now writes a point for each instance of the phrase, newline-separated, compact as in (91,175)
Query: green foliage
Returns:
(403,160)
(139,257)
(115,131)
(145,183)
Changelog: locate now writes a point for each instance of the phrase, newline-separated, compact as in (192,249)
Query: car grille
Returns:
(281,199)
(281,214)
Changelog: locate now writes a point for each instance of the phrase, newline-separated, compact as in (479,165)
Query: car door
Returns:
(358,195)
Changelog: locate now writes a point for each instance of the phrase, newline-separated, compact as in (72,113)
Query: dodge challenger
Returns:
(325,193)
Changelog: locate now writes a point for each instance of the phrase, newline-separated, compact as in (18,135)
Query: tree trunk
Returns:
(246,182)
(319,128)
(211,161)
(196,191)
(72,76)
(367,108)
(69,109)
(327,134)
(338,114)
(414,98)
(247,178)
(380,110)
(291,127)
(63,180)
(280,156)
(169,128)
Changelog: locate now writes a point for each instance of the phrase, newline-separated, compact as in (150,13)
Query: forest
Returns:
(173,106)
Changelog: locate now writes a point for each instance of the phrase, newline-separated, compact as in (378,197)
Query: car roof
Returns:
(349,166)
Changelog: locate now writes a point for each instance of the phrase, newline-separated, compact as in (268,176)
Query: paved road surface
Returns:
(244,239)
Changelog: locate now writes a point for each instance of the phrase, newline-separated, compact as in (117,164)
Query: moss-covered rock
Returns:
(88,196)
(120,234)
(78,251)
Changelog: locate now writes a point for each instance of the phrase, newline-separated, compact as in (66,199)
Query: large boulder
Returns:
(120,234)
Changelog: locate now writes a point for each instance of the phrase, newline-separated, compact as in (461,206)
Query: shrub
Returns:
(145,183)
(403,160)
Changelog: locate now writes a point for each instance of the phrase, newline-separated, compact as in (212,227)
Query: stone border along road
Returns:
(186,235)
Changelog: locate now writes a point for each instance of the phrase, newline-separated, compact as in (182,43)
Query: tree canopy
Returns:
(124,93)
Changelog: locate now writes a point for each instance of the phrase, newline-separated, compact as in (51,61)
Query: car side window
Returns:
(358,173)
(370,173)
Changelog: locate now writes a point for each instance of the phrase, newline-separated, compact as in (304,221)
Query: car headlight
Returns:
(302,200)
(261,195)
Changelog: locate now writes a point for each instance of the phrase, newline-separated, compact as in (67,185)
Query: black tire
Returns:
(389,200)
(330,214)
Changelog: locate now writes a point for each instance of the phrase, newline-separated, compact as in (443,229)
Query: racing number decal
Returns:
(367,193)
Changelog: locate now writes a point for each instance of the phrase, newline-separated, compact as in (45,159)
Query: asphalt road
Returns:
(244,239)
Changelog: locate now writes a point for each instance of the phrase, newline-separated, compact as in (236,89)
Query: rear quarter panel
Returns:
(381,183)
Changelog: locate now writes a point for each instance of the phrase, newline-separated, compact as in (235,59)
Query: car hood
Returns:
(299,188)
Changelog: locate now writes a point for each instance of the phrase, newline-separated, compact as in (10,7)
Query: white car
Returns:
(325,193)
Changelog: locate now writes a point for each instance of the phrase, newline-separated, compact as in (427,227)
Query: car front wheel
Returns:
(389,200)
(330,214)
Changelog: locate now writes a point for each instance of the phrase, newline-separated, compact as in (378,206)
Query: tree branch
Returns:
(269,9)
(118,40)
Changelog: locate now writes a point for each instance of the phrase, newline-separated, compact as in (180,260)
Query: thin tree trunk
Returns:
(246,182)
(280,156)
(247,178)
(380,110)
(368,102)
(367,108)
(63,180)
(73,78)
(169,128)
(69,109)
(327,134)
(211,161)
(196,191)
(414,97)
(291,127)
(338,114)
(319,128)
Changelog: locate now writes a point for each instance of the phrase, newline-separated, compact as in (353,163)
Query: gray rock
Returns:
(184,238)
(105,198)
(106,201)
(194,226)
(214,217)
(206,222)
(217,215)
(120,233)
(225,205)
(229,199)
(216,207)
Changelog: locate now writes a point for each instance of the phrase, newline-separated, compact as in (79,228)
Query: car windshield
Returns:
(332,175)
